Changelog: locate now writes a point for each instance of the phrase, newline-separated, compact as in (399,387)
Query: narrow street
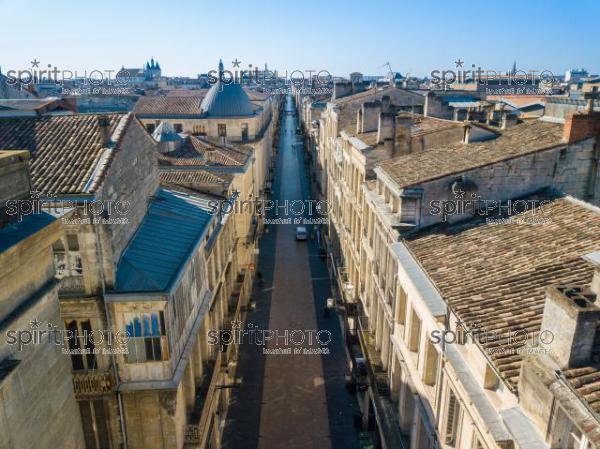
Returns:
(291,400)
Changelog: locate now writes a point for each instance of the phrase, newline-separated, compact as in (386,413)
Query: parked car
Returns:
(301,233)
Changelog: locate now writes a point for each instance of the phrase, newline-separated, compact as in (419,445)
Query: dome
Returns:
(226,100)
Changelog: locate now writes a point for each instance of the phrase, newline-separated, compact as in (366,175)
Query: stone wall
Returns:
(37,404)
(21,279)
(132,177)
(567,169)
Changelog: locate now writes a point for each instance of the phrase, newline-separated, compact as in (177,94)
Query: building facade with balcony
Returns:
(379,198)
(148,270)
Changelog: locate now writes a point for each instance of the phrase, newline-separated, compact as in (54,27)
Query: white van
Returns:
(301,233)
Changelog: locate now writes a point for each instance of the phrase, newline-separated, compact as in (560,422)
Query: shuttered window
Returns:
(452,417)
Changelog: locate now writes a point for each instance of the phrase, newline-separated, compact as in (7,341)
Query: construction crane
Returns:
(389,66)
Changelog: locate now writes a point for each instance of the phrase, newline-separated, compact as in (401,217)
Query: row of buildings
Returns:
(466,245)
(119,263)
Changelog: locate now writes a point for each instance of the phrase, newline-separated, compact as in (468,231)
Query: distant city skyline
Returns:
(309,36)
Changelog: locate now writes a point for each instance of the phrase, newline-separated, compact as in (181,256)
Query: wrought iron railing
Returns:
(92,383)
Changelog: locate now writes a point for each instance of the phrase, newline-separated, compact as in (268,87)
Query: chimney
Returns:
(369,117)
(15,184)
(594,258)
(581,126)
(469,113)
(104,125)
(466,132)
(428,100)
(341,89)
(386,132)
(507,120)
(590,97)
(569,324)
(402,145)
(489,114)
(386,127)
(385,103)
(389,147)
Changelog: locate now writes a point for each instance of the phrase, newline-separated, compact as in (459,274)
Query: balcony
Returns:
(90,384)
(379,383)
(191,435)
(71,286)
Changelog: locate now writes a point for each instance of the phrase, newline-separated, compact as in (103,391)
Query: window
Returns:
(244,132)
(199,129)
(415,332)
(150,127)
(93,420)
(408,211)
(562,155)
(81,345)
(401,307)
(431,363)
(574,439)
(147,337)
(67,263)
(452,419)
(222,130)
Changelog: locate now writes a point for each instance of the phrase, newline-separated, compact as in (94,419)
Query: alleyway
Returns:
(291,400)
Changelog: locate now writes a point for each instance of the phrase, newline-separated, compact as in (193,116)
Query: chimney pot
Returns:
(569,325)
(104,125)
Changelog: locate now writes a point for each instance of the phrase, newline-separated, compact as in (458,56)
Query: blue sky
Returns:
(188,37)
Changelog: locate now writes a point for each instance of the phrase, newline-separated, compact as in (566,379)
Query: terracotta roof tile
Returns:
(494,276)
(201,152)
(457,157)
(160,106)
(65,150)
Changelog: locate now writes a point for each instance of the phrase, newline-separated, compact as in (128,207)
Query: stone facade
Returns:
(420,396)
(35,380)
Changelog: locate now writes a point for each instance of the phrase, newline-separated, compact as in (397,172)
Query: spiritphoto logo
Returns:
(254,75)
(495,211)
(514,81)
(293,211)
(92,211)
(49,73)
(515,341)
(279,341)
(81,342)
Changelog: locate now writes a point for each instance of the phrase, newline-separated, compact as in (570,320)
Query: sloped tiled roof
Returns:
(457,157)
(67,153)
(161,106)
(198,93)
(494,276)
(191,178)
(200,152)
(29,104)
